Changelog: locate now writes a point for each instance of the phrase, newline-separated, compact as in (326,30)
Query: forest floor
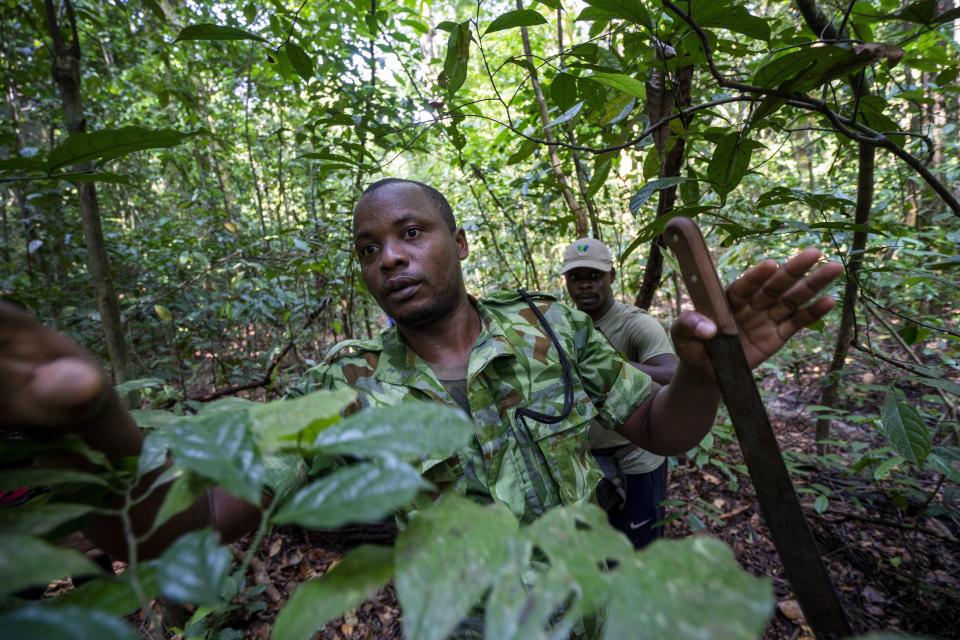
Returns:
(891,572)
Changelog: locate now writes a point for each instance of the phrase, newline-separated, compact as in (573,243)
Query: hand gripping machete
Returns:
(778,501)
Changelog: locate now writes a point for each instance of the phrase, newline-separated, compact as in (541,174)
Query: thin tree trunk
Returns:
(565,190)
(826,30)
(66,74)
(676,96)
(246,129)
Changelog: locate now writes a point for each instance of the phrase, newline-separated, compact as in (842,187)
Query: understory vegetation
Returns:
(176,189)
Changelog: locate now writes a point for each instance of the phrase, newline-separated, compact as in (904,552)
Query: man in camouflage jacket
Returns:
(446,345)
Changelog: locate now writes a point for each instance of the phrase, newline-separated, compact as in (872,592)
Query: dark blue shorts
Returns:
(645,492)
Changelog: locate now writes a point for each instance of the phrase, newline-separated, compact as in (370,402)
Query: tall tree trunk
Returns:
(661,102)
(816,20)
(565,190)
(66,74)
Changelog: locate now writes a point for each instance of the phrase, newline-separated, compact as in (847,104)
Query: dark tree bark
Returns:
(826,30)
(66,75)
(661,102)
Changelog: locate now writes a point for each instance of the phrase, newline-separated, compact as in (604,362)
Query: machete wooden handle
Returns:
(684,238)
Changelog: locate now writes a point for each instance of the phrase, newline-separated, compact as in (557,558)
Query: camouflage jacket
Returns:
(527,465)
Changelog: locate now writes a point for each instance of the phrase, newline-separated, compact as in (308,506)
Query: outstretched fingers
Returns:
(764,285)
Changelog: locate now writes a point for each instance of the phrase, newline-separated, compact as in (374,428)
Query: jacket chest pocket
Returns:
(560,447)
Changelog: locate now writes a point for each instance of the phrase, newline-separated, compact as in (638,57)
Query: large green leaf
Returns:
(905,430)
(35,621)
(301,61)
(563,90)
(194,569)
(215,32)
(28,562)
(622,82)
(107,144)
(34,477)
(357,577)
(632,10)
(41,519)
(516,18)
(220,446)
(566,116)
(458,56)
(364,492)
(114,594)
(446,559)
(683,589)
(298,420)
(730,161)
(407,430)
(733,17)
(946,460)
(640,197)
(578,542)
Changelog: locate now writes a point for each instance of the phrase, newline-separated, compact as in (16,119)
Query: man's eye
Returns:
(411,232)
(367,250)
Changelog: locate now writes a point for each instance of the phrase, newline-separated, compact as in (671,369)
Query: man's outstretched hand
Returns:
(767,303)
(50,386)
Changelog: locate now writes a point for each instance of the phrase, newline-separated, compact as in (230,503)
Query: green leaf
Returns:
(719,599)
(563,90)
(731,158)
(821,503)
(357,577)
(640,197)
(220,446)
(553,4)
(107,144)
(733,17)
(298,420)
(28,562)
(408,430)
(905,430)
(114,594)
(632,10)
(622,82)
(516,18)
(40,519)
(458,56)
(363,492)
(527,147)
(40,477)
(92,176)
(617,109)
(194,569)
(448,556)
(946,460)
(183,492)
(215,32)
(35,621)
(882,472)
(568,115)
(136,385)
(302,63)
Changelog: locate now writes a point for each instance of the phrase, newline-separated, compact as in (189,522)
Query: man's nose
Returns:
(392,255)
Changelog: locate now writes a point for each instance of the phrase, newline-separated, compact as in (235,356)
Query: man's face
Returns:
(409,259)
(590,289)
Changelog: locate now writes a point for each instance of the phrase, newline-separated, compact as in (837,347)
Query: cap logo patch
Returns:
(582,249)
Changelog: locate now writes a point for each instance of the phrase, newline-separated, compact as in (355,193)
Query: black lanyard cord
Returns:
(567,373)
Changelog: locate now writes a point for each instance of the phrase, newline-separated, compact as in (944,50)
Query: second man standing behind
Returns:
(635,479)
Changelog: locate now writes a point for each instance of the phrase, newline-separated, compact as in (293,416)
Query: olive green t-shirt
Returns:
(638,337)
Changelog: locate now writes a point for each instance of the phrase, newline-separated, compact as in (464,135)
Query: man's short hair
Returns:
(437,198)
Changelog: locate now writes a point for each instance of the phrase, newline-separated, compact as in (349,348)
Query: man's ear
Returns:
(463,248)
(613,274)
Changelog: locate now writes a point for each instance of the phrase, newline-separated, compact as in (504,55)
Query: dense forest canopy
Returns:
(177,182)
